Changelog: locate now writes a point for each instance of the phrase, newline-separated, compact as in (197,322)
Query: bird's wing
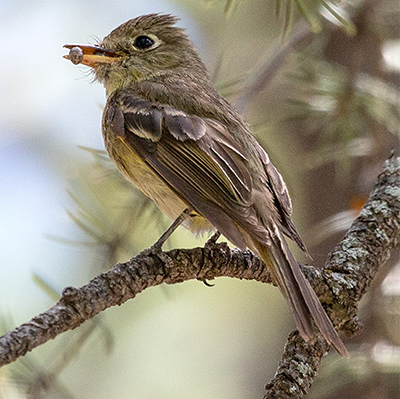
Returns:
(281,199)
(196,157)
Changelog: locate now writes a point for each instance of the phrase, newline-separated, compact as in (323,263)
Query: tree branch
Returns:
(343,281)
(340,285)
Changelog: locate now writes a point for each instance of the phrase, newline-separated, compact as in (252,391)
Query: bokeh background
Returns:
(320,87)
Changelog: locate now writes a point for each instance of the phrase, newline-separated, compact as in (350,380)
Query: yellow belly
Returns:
(140,174)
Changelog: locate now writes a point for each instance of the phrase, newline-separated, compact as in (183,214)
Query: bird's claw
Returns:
(156,250)
(212,241)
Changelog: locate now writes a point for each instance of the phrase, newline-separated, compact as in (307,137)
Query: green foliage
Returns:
(313,12)
(338,107)
(110,210)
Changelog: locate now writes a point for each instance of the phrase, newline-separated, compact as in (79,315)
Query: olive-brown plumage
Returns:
(171,134)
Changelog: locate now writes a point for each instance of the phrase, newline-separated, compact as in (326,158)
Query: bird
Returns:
(171,134)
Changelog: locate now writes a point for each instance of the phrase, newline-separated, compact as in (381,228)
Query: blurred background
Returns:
(320,85)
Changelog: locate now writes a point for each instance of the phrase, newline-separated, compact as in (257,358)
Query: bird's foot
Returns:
(212,241)
(156,248)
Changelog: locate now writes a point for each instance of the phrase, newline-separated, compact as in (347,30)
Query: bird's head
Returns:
(139,49)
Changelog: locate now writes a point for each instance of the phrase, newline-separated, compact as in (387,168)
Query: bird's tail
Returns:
(303,302)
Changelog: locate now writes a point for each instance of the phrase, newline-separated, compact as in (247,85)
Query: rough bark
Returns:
(340,285)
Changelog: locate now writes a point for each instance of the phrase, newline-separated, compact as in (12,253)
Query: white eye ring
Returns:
(146,42)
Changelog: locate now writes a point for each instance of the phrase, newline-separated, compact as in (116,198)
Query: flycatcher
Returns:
(178,140)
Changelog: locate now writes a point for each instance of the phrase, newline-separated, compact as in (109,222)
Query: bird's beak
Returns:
(90,55)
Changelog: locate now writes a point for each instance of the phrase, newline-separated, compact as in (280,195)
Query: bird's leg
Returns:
(209,244)
(157,246)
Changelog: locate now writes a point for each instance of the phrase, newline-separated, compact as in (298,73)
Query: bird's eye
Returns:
(143,42)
